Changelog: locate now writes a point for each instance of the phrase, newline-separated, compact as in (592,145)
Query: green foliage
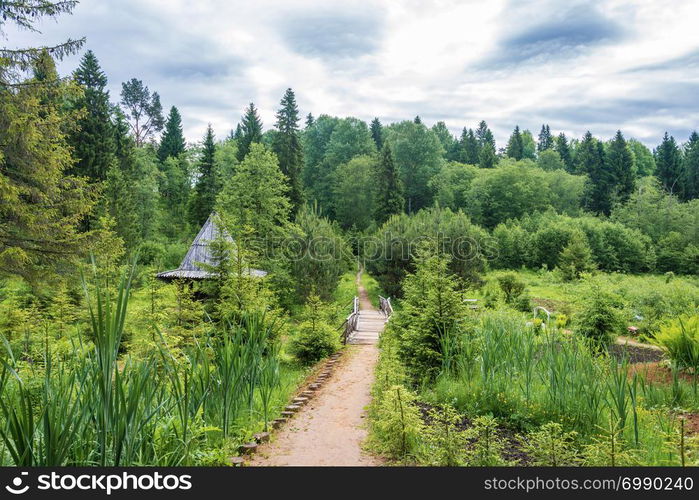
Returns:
(250,131)
(551,446)
(487,446)
(314,338)
(397,426)
(172,143)
(203,198)
(389,199)
(668,162)
(680,338)
(355,193)
(287,147)
(515,145)
(576,258)
(445,443)
(143,108)
(600,319)
(511,287)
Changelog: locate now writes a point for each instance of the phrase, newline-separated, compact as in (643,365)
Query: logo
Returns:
(17,483)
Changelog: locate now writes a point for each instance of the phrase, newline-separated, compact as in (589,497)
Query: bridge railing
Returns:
(350,324)
(385,306)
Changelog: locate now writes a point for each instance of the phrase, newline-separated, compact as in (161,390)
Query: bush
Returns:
(397,426)
(600,319)
(680,338)
(315,339)
(552,447)
(445,443)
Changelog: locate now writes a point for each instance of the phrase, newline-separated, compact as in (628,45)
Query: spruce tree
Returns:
(250,131)
(418,120)
(389,189)
(287,146)
(92,138)
(172,143)
(690,169)
(487,157)
(515,146)
(621,166)
(562,147)
(545,139)
(204,196)
(668,162)
(376,133)
(600,188)
(468,147)
(309,120)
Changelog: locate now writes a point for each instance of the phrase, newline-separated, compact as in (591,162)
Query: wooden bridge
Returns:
(365,323)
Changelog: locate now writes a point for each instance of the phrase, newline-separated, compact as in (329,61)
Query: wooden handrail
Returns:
(385,306)
(350,324)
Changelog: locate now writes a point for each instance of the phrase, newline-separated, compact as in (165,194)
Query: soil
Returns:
(635,353)
(331,429)
(656,372)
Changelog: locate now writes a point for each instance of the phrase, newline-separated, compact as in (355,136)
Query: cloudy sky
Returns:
(584,65)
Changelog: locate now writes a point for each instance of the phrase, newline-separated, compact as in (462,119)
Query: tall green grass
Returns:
(102,409)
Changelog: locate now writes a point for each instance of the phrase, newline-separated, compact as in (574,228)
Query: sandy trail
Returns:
(331,428)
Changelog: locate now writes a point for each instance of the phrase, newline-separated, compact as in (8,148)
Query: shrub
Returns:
(488,446)
(551,446)
(600,318)
(576,258)
(445,443)
(680,338)
(510,286)
(397,426)
(315,338)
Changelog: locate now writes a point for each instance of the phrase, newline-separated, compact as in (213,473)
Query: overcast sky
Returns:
(600,66)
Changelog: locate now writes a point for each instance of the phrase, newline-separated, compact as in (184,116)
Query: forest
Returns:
(545,290)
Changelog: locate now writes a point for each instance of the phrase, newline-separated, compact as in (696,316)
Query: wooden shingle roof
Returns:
(200,253)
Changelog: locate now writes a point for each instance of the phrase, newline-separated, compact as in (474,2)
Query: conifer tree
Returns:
(418,120)
(484,135)
(562,147)
(600,188)
(576,258)
(487,157)
(172,143)
(515,146)
(468,147)
(621,166)
(690,169)
(376,133)
(143,108)
(389,189)
(545,139)
(204,195)
(309,120)
(92,138)
(250,131)
(287,146)
(668,162)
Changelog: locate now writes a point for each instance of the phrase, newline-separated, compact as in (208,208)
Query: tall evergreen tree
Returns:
(621,166)
(515,146)
(562,147)
(600,188)
(204,196)
(250,131)
(668,164)
(377,133)
(545,139)
(389,189)
(487,158)
(418,120)
(172,143)
(92,138)
(287,146)
(468,147)
(484,135)
(690,168)
(309,120)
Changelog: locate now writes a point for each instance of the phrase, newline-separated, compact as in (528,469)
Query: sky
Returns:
(576,65)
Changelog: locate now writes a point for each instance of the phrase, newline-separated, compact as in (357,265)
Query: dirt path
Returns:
(331,428)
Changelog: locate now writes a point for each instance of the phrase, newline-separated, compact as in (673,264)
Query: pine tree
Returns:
(376,133)
(690,169)
(92,138)
(204,196)
(389,189)
(250,131)
(484,135)
(41,206)
(620,164)
(418,120)
(287,146)
(600,188)
(576,258)
(143,108)
(668,161)
(172,143)
(545,139)
(562,147)
(515,146)
(487,157)
(309,120)
(468,147)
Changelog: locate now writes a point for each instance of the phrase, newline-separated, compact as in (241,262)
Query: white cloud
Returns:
(575,65)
